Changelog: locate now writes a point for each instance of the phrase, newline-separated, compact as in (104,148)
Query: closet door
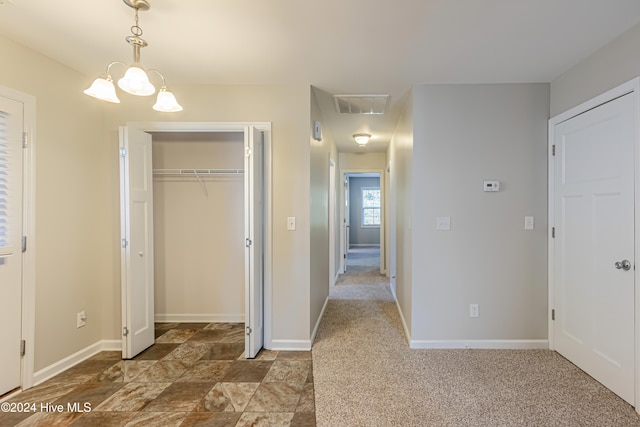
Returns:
(253,232)
(136,223)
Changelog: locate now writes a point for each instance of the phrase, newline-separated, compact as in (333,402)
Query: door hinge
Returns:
(247,151)
(248,330)
(125,331)
(553,150)
(24,244)
(25,139)
(553,314)
(248,242)
(124,243)
(344,256)
(553,232)
(23,347)
(123,152)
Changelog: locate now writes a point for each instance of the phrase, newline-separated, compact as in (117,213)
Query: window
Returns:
(370,206)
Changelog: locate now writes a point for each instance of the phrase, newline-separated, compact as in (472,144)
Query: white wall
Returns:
(614,64)
(199,250)
(73,235)
(464,134)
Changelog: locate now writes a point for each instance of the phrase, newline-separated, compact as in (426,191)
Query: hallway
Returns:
(366,374)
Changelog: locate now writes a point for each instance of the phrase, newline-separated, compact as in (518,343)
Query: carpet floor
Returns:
(366,375)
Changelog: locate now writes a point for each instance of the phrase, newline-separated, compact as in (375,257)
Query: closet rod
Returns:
(198,172)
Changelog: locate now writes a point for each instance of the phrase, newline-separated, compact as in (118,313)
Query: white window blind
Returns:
(4,183)
(10,176)
(370,206)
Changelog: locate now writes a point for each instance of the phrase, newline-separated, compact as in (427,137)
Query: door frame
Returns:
(265,127)
(343,215)
(28,228)
(630,87)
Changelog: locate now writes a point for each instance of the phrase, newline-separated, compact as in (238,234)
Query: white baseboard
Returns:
(315,329)
(481,344)
(290,345)
(199,318)
(77,357)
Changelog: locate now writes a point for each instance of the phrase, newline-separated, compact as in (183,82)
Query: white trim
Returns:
(632,86)
(199,318)
(290,345)
(77,357)
(317,326)
(481,344)
(265,127)
(29,230)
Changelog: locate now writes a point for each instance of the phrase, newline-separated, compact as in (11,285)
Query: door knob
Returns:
(623,265)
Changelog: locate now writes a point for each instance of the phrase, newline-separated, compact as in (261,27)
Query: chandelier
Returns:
(135,80)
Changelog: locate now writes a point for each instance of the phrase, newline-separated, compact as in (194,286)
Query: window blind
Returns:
(4,181)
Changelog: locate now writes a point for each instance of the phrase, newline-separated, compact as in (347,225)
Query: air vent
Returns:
(361,104)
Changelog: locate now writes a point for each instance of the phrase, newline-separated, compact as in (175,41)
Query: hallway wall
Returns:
(464,134)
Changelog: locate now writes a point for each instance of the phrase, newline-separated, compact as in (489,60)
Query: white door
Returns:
(136,223)
(11,127)
(253,232)
(594,234)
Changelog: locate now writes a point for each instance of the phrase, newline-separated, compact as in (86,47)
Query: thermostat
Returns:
(492,186)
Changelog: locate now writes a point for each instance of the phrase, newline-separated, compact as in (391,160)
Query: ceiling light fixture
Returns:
(135,80)
(362,138)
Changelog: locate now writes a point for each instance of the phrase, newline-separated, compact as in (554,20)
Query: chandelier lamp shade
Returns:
(135,80)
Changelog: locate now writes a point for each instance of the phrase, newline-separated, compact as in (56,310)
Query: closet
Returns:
(192,209)
(198,228)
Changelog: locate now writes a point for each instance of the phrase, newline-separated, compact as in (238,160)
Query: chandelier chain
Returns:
(135,29)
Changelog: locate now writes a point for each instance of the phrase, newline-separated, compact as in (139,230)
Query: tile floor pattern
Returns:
(194,375)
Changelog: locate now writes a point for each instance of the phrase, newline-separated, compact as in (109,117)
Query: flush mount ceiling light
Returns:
(361,138)
(135,80)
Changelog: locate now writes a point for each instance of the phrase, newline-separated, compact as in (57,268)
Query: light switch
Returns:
(443,223)
(291,223)
(528,223)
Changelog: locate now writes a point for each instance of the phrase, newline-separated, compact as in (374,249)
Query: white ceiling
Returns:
(338,46)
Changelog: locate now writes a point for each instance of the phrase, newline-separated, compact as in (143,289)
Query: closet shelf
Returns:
(196,172)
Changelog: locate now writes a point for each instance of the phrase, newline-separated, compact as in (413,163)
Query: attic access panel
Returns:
(361,104)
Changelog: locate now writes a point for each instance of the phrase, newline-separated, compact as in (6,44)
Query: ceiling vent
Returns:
(361,104)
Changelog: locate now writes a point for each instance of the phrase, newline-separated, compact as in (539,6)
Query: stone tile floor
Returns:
(194,375)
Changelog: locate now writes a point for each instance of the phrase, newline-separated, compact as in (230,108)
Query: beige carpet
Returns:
(365,375)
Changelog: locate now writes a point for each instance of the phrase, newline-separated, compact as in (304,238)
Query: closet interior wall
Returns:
(198,226)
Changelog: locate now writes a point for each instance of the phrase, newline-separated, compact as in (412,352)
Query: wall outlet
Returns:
(474,311)
(81,319)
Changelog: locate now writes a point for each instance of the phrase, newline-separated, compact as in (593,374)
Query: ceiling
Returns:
(337,46)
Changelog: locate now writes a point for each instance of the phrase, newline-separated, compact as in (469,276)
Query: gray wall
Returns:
(359,235)
(464,134)
(614,64)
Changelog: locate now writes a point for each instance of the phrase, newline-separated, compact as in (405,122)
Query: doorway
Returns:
(137,194)
(592,252)
(362,214)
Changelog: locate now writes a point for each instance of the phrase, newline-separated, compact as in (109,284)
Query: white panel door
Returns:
(11,128)
(594,221)
(254,209)
(136,212)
